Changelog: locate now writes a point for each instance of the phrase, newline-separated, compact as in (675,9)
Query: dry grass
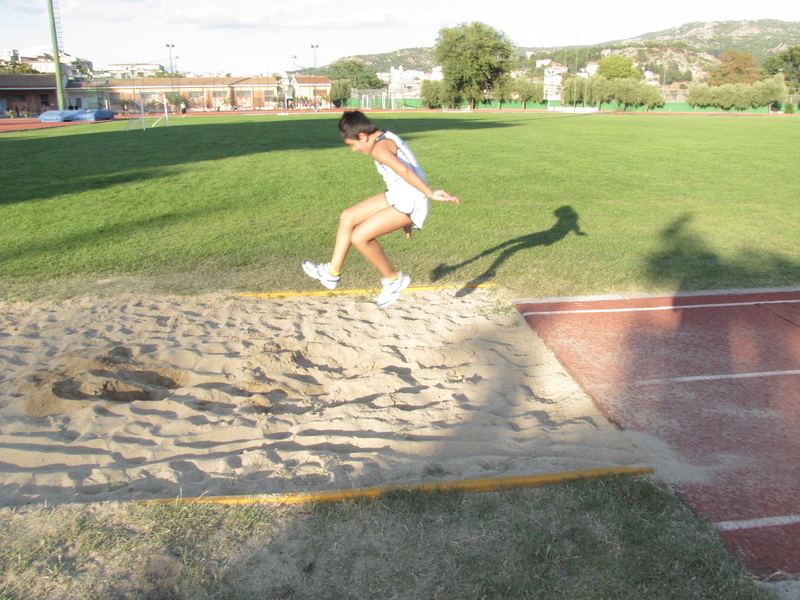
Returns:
(620,539)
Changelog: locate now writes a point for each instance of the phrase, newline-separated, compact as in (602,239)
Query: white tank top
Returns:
(406,156)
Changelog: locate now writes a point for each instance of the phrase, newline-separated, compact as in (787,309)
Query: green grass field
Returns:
(551,204)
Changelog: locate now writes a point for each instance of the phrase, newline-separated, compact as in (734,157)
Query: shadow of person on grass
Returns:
(567,223)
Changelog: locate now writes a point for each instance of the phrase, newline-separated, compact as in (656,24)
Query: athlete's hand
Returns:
(408,229)
(443,196)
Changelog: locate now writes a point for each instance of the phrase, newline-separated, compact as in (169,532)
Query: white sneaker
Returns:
(321,272)
(391,289)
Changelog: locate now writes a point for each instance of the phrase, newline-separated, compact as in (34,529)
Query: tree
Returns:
(626,92)
(573,89)
(528,91)
(771,90)
(174,99)
(739,95)
(430,92)
(788,63)
(617,66)
(473,57)
(340,91)
(735,67)
(17,68)
(673,73)
(699,95)
(360,77)
(632,92)
(650,95)
(447,95)
(501,90)
(599,90)
(731,95)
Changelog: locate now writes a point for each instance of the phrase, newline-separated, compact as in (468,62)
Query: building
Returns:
(199,93)
(71,66)
(406,84)
(553,74)
(131,70)
(311,88)
(32,93)
(37,93)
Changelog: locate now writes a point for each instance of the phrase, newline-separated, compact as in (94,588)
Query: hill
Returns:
(419,59)
(694,45)
(762,39)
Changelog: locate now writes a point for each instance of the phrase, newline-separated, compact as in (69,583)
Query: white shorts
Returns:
(413,203)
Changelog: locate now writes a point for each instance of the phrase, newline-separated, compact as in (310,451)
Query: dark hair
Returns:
(354,122)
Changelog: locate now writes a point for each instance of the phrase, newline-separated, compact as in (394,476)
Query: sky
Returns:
(259,37)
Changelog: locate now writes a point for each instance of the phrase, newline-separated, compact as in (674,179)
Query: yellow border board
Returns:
(323,293)
(464,485)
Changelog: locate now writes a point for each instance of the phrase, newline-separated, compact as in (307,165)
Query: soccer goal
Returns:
(397,103)
(140,122)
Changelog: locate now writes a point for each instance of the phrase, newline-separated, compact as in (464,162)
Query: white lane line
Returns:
(714,377)
(729,293)
(650,308)
(757,523)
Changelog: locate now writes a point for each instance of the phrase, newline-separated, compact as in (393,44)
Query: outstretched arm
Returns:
(443,196)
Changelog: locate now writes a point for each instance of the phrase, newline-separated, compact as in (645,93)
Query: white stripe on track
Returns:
(649,308)
(757,523)
(714,377)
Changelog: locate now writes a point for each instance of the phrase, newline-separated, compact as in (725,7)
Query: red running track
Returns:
(717,378)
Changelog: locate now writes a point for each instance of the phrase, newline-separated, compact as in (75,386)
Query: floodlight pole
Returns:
(56,56)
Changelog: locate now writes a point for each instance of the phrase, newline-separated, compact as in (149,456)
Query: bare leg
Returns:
(359,225)
(348,221)
(364,237)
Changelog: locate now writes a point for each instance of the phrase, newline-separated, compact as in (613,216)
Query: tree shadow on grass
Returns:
(79,160)
(567,223)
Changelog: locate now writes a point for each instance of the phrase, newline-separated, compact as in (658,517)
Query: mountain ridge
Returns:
(762,38)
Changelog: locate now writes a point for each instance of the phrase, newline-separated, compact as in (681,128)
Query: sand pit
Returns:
(142,397)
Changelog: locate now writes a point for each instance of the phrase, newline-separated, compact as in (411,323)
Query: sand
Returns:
(137,397)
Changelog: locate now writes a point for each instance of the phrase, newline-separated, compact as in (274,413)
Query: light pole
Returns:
(175,68)
(314,93)
(171,82)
